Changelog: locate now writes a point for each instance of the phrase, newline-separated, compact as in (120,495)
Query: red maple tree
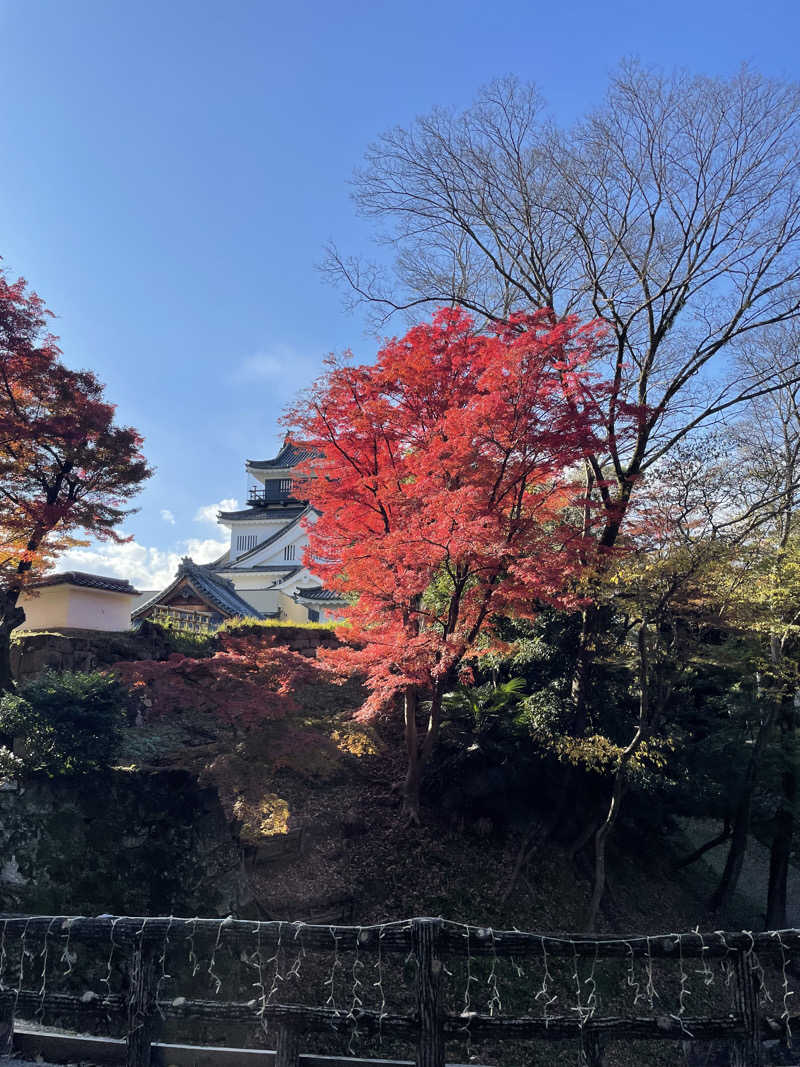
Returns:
(65,468)
(447,490)
(248,679)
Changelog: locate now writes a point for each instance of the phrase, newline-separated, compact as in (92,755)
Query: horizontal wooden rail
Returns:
(454,939)
(80,1048)
(476,1025)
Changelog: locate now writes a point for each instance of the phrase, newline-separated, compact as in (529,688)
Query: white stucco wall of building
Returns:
(261,598)
(58,606)
(291,610)
(99,609)
(245,536)
(46,608)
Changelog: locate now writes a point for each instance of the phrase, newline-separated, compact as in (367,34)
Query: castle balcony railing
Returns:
(261,496)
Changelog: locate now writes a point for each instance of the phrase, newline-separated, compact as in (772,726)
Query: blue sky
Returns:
(171,172)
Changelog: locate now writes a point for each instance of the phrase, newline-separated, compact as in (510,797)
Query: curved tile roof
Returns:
(87,581)
(277,511)
(289,456)
(218,590)
(319,592)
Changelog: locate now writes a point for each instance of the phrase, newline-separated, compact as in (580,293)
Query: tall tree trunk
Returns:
(620,786)
(11,616)
(413,781)
(618,791)
(779,855)
(582,676)
(723,894)
(418,754)
(781,847)
(6,679)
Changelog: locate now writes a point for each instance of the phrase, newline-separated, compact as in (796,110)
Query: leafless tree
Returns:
(767,445)
(671,212)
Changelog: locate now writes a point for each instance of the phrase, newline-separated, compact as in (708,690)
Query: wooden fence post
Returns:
(748,1051)
(430,1037)
(288,1051)
(141,1005)
(6,1024)
(591,1049)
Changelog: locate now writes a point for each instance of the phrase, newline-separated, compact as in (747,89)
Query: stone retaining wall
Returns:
(137,843)
(85,650)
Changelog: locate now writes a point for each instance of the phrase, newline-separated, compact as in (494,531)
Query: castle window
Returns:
(288,552)
(244,542)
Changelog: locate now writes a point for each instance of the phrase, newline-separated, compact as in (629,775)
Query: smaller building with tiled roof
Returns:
(78,601)
(198,599)
(319,603)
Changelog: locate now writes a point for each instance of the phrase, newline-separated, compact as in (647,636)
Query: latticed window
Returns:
(198,622)
(288,552)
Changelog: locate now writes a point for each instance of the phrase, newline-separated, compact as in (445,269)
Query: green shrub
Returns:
(252,625)
(186,642)
(64,723)
(10,765)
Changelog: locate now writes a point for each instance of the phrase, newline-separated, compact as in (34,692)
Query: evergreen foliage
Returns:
(62,724)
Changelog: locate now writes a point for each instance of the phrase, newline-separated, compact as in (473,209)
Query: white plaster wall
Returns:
(261,531)
(98,609)
(73,606)
(245,580)
(291,610)
(269,474)
(299,612)
(47,609)
(274,552)
(262,599)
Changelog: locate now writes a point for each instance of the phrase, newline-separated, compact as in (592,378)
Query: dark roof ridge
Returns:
(87,581)
(220,591)
(290,454)
(267,511)
(318,592)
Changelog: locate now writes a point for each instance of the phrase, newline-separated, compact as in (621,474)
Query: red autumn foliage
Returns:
(65,468)
(249,679)
(449,492)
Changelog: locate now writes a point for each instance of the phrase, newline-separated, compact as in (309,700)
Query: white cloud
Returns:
(273,365)
(209,512)
(167,516)
(205,550)
(145,568)
(281,367)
